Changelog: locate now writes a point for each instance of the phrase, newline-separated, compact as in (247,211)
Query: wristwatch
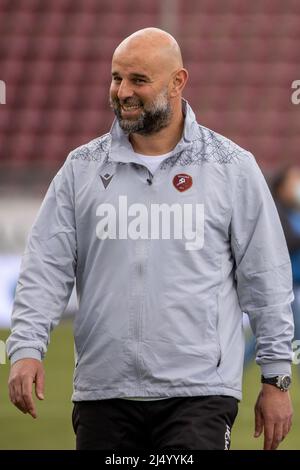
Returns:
(283,382)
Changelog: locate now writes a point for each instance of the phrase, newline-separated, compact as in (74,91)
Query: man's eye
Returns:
(116,79)
(139,80)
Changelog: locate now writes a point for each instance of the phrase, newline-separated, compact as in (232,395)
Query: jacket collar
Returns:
(121,149)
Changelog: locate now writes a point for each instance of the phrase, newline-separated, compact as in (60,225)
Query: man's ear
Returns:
(178,81)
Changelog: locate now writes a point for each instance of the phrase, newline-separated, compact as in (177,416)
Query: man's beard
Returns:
(153,117)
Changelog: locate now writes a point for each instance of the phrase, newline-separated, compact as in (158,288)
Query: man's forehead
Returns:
(135,64)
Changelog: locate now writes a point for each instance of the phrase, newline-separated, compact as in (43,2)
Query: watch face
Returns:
(285,382)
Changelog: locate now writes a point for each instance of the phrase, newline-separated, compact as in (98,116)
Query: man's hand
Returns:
(23,374)
(273,414)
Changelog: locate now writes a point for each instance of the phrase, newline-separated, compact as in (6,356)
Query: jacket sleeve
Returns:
(263,269)
(47,271)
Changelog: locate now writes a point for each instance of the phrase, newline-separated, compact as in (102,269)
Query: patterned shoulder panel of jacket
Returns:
(96,150)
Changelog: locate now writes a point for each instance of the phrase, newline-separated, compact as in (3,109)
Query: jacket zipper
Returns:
(141,271)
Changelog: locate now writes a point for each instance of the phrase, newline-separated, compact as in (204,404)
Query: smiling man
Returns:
(141,91)
(145,94)
(171,233)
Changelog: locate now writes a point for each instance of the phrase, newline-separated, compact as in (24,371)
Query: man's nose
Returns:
(124,90)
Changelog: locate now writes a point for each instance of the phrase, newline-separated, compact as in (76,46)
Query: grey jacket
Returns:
(164,266)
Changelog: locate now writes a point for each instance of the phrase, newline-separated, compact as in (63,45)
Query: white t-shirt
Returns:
(152,162)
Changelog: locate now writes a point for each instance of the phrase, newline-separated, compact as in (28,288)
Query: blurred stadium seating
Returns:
(55,60)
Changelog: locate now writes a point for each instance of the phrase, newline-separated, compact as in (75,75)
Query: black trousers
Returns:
(179,423)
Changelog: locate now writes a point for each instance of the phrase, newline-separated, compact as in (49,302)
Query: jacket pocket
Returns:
(218,341)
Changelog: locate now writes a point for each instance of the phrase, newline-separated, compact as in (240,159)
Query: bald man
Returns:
(171,233)
(147,81)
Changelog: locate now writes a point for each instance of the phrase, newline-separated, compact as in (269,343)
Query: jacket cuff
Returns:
(25,353)
(276,368)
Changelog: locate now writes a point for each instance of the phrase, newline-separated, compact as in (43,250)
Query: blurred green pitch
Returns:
(53,428)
